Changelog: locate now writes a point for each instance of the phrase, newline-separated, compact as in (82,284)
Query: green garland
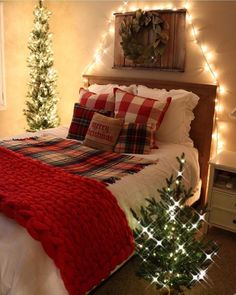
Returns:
(131,32)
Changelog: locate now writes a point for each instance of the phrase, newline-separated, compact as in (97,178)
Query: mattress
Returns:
(25,269)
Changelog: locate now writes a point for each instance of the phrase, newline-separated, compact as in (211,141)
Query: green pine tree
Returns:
(41,110)
(173,252)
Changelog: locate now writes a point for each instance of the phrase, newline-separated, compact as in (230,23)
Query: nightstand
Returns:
(222,191)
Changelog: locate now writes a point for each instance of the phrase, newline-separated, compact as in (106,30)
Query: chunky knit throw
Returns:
(76,219)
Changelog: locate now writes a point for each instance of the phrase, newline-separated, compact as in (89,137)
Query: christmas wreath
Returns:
(131,32)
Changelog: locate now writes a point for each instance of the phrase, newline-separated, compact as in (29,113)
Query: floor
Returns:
(222,274)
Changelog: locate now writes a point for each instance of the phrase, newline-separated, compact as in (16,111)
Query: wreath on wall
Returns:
(131,32)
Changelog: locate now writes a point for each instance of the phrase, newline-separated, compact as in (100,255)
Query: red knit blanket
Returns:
(76,219)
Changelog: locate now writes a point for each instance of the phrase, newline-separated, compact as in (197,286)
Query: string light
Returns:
(103,48)
(208,66)
(204,49)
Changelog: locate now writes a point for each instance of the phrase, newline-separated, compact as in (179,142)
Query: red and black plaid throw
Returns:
(75,158)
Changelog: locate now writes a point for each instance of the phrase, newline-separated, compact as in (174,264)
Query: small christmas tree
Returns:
(41,111)
(173,254)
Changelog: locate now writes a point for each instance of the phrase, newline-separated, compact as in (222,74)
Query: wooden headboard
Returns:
(202,125)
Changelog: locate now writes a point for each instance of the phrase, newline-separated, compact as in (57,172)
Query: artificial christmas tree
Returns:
(41,111)
(173,252)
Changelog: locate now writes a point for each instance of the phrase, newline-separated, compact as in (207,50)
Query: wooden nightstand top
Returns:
(225,160)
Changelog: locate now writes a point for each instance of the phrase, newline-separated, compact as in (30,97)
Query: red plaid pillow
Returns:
(138,109)
(92,100)
(81,120)
(135,139)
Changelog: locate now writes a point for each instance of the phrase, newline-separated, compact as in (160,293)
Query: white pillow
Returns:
(175,126)
(108,88)
(154,93)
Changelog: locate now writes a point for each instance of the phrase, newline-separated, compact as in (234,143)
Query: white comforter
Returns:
(24,267)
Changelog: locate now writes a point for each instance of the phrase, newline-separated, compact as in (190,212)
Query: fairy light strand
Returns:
(103,49)
(210,68)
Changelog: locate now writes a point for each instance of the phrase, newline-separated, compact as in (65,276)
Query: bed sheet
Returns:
(24,267)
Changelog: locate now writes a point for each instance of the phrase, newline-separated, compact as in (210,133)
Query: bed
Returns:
(26,269)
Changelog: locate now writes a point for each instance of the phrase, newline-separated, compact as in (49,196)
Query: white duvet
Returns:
(25,269)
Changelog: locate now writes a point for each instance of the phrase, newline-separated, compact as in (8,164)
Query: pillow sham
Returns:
(137,109)
(108,88)
(135,138)
(103,132)
(90,100)
(176,125)
(81,120)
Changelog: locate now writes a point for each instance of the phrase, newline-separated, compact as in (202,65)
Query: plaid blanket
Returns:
(76,158)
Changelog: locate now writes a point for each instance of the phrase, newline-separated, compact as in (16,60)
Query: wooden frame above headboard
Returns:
(202,125)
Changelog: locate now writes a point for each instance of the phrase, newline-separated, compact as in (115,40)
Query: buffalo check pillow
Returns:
(92,100)
(81,120)
(138,109)
(135,138)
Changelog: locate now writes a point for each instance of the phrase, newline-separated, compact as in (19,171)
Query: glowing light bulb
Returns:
(207,67)
(219,108)
(216,74)
(209,56)
(221,89)
(111,30)
(195,32)
(220,145)
(214,136)
(154,280)
(190,18)
(98,58)
(202,274)
(85,80)
(187,5)
(204,48)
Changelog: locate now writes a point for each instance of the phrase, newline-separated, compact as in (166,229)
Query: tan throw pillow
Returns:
(103,132)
